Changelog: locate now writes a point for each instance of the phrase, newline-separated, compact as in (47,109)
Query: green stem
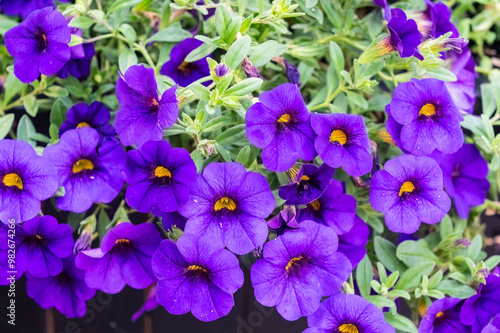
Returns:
(146,55)
(328,100)
(91,40)
(342,39)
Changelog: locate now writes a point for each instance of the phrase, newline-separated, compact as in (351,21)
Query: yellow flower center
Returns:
(422,308)
(184,67)
(83,124)
(316,205)
(386,137)
(427,110)
(196,268)
(293,261)
(407,187)
(162,172)
(225,202)
(348,328)
(81,165)
(338,136)
(122,241)
(284,118)
(440,314)
(12,179)
(39,237)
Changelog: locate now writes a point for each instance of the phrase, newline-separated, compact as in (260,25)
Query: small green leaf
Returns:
(199,53)
(336,56)
(200,90)
(400,322)
(475,247)
(128,32)
(56,92)
(243,155)
(413,252)
(380,301)
(266,51)
(455,289)
(215,124)
(446,226)
(492,262)
(412,277)
(237,52)
(231,135)
(58,113)
(119,4)
(12,87)
(127,59)
(25,130)
(386,253)
(6,124)
(30,105)
(170,34)
(244,87)
(232,29)
(81,22)
(364,275)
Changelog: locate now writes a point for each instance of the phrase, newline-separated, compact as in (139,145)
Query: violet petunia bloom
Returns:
(228,205)
(334,209)
(493,326)
(25,7)
(158,177)
(67,291)
(298,269)
(428,117)
(26,179)
(196,275)
(280,124)
(479,309)
(443,316)
(307,185)
(142,115)
(78,67)
(40,244)
(89,172)
(285,220)
(169,220)
(184,73)
(464,176)
(149,305)
(349,314)
(39,44)
(82,115)
(353,243)
(343,141)
(437,20)
(462,90)
(404,36)
(409,191)
(124,258)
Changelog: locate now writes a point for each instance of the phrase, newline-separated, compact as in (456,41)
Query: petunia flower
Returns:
(428,117)
(343,141)
(348,314)
(353,243)
(82,115)
(182,72)
(25,7)
(89,172)
(284,220)
(168,220)
(493,326)
(479,309)
(464,176)
(279,124)
(67,291)
(298,269)
(334,209)
(39,44)
(40,244)
(307,185)
(78,66)
(124,258)
(196,275)
(142,115)
(443,316)
(26,179)
(228,205)
(409,191)
(462,90)
(436,20)
(158,177)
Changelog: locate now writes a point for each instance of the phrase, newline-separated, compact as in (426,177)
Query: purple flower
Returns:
(343,141)
(158,177)
(404,36)
(88,171)
(443,316)
(464,176)
(78,66)
(40,244)
(25,7)
(353,243)
(279,124)
(409,191)
(149,305)
(428,117)
(196,275)
(292,73)
(26,179)
(67,291)
(479,309)
(348,313)
(123,258)
(142,116)
(221,70)
(307,184)
(228,205)
(82,115)
(168,220)
(439,20)
(386,8)
(493,326)
(39,44)
(333,209)
(298,268)
(286,219)
(182,72)
(462,90)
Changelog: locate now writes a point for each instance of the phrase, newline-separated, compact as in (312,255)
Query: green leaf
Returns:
(413,252)
(74,220)
(412,277)
(386,253)
(201,52)
(380,301)
(215,124)
(222,20)
(127,59)
(244,87)
(492,262)
(400,322)
(336,56)
(58,113)
(81,22)
(12,87)
(392,279)
(119,4)
(128,32)
(237,52)
(475,247)
(170,34)
(55,92)
(30,105)
(399,293)
(200,90)
(364,274)
(266,51)
(357,99)
(6,124)
(223,152)
(435,279)
(40,138)
(102,222)
(25,130)
(232,29)
(442,74)
(446,226)
(231,135)
(198,160)
(53,132)
(75,40)
(6,24)
(243,155)
(455,289)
